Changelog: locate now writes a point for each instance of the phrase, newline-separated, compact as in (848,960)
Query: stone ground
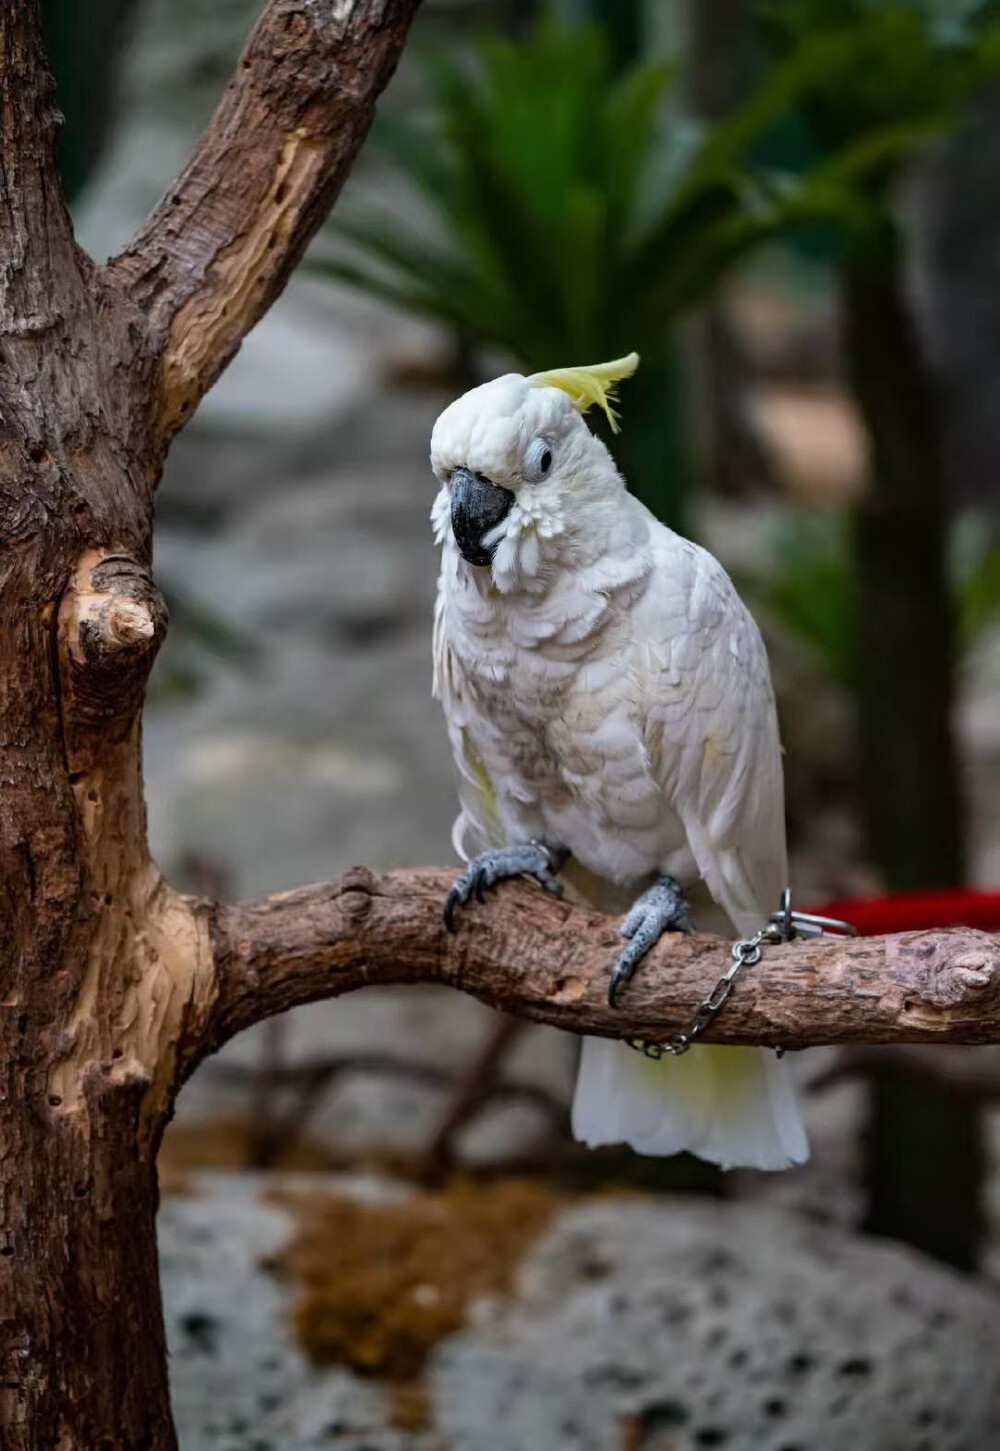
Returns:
(633,1325)
(292,734)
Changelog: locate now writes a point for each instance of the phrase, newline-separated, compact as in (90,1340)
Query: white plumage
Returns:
(607,691)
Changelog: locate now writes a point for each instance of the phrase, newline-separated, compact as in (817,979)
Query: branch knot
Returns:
(357,887)
(112,619)
(112,622)
(947,971)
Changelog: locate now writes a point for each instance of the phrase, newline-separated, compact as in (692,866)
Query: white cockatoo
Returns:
(610,710)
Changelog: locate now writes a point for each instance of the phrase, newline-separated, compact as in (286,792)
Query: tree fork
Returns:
(112,986)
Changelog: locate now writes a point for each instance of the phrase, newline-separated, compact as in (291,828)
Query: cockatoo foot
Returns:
(495,865)
(660,909)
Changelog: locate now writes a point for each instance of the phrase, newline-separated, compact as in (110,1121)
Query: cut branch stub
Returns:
(148,969)
(112,621)
(956,973)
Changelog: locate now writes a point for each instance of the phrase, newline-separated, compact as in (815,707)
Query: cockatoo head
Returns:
(522,477)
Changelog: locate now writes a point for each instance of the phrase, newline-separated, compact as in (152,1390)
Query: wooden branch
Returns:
(530,955)
(225,238)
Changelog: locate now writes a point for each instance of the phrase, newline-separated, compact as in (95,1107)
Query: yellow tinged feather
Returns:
(590,386)
(479,778)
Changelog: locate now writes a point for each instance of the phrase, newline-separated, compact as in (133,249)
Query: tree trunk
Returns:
(926,1165)
(106,973)
(84,1359)
(101,960)
(724,453)
(86,923)
(904,634)
(909,777)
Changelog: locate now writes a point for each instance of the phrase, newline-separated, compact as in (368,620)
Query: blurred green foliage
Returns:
(570,213)
(808,588)
(563,210)
(916,63)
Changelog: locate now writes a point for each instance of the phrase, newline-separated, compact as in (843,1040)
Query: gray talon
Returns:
(660,909)
(497,864)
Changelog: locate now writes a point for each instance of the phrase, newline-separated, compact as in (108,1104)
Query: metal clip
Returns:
(792,924)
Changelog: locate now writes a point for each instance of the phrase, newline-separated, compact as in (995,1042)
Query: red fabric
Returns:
(917,911)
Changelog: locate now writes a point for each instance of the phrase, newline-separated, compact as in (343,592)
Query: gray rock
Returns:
(238,1380)
(641,1324)
(722,1325)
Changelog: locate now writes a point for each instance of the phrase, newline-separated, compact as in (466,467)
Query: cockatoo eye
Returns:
(537,461)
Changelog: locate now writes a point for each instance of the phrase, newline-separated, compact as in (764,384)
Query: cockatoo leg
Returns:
(660,909)
(489,867)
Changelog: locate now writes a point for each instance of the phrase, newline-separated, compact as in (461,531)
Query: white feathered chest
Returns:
(625,713)
(546,701)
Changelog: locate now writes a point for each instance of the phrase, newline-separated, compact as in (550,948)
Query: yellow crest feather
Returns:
(590,386)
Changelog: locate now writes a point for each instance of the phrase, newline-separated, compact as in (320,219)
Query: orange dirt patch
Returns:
(379,1285)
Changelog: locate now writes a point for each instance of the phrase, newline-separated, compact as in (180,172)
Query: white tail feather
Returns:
(735,1107)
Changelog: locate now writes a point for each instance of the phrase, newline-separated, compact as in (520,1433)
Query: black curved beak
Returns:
(477,506)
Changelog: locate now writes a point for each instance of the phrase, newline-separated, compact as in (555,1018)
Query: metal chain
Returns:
(783,927)
(746,953)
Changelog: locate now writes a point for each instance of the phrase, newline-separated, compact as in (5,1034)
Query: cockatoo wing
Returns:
(477,825)
(710,728)
(710,731)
